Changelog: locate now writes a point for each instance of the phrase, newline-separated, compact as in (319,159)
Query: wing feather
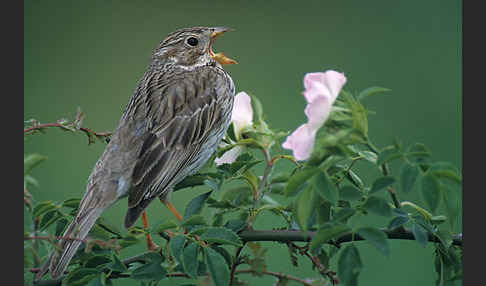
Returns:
(183,119)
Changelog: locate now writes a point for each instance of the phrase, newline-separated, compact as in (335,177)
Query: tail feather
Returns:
(77,231)
(134,213)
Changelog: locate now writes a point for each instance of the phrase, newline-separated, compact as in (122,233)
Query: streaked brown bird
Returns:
(172,124)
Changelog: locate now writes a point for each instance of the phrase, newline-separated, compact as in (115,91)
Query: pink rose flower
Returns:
(242,117)
(321,90)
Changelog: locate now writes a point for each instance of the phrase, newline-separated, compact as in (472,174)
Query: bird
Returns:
(173,123)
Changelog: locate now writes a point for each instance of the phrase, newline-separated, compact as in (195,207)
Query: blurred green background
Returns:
(92,53)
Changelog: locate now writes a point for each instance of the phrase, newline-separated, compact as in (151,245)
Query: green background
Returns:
(92,53)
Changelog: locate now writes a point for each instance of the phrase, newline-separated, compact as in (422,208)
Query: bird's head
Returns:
(192,47)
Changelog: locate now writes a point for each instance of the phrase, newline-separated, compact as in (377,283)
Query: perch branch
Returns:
(294,235)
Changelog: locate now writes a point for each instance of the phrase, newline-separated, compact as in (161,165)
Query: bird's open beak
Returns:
(219,57)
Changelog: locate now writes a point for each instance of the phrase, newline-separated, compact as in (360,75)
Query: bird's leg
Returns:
(172,209)
(151,245)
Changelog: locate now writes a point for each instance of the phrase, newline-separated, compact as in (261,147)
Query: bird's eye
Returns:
(192,41)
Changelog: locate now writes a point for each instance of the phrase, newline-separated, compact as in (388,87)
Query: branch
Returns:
(235,264)
(107,244)
(67,125)
(87,131)
(284,236)
(275,274)
(295,235)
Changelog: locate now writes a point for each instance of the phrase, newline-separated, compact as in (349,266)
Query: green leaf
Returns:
(97,260)
(257,108)
(99,280)
(99,232)
(343,214)
(117,265)
(31,161)
(369,156)
(176,245)
(397,222)
(438,219)
(218,269)
(29,180)
(49,218)
(388,155)
(430,189)
(80,276)
(128,240)
(298,179)
(452,202)
(191,181)
(230,133)
(42,208)
(349,265)
(445,170)
(382,183)
(420,234)
(189,259)
(149,271)
(323,211)
(418,151)
(399,212)
(235,225)
(375,237)
(226,255)
(238,196)
(372,91)
(167,224)
(354,179)
(327,233)
(358,112)
(378,206)
(408,176)
(221,235)
(194,220)
(325,187)
(211,184)
(303,207)
(71,203)
(445,237)
(350,193)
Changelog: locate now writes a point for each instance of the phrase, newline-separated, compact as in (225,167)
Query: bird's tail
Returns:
(70,242)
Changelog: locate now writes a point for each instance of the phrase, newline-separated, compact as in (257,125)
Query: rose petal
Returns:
(327,83)
(334,81)
(229,156)
(301,142)
(242,114)
(318,112)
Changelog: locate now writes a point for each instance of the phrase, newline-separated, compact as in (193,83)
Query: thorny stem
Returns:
(304,250)
(96,241)
(58,281)
(263,181)
(35,244)
(385,170)
(306,236)
(87,131)
(275,274)
(277,236)
(236,262)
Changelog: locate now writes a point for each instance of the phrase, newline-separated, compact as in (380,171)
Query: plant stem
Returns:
(295,235)
(275,274)
(235,264)
(263,182)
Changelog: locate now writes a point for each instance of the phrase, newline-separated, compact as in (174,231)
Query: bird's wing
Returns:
(181,116)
